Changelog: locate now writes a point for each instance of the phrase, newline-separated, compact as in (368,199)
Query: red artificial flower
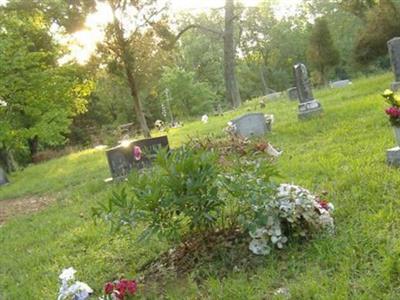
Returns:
(137,153)
(108,288)
(132,287)
(324,204)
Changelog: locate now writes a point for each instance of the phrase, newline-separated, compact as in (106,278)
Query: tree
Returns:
(382,24)
(322,53)
(232,93)
(188,97)
(42,97)
(358,8)
(133,21)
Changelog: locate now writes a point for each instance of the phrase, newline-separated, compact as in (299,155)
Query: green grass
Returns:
(342,152)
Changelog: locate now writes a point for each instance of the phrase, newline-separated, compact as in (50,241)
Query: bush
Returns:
(179,195)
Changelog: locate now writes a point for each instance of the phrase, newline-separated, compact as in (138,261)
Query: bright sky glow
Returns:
(83,43)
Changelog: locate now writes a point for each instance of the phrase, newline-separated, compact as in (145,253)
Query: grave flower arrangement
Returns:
(120,290)
(394,110)
(72,290)
(292,212)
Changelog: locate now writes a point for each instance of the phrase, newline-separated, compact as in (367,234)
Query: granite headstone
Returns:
(249,125)
(121,159)
(339,84)
(308,105)
(394,54)
(292,93)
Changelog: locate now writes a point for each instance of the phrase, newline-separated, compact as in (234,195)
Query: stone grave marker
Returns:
(394,54)
(339,84)
(121,159)
(273,96)
(292,93)
(308,105)
(3,177)
(249,125)
(393,155)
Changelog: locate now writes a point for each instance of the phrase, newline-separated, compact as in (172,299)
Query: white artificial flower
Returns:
(259,247)
(273,152)
(204,119)
(67,274)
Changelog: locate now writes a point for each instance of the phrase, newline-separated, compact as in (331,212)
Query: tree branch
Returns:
(203,28)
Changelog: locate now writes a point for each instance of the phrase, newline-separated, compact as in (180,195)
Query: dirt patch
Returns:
(22,206)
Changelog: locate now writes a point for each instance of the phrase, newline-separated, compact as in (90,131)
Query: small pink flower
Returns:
(137,153)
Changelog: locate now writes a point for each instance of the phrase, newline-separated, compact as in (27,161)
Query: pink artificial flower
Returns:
(393,112)
(137,153)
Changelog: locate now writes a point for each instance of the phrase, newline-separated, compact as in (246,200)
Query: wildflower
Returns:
(137,153)
(3,103)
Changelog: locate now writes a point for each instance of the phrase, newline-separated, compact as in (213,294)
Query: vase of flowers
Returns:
(393,112)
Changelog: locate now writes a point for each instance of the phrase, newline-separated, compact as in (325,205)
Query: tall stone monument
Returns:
(308,105)
(394,53)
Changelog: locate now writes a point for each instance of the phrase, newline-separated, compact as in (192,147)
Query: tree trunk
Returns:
(231,85)
(136,102)
(264,81)
(33,144)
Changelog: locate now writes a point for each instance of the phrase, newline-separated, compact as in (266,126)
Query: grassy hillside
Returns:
(342,152)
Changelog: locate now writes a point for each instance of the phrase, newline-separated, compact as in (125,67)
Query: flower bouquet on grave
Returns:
(393,111)
(120,290)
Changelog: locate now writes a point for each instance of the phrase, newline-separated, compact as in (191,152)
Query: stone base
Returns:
(393,157)
(309,109)
(395,86)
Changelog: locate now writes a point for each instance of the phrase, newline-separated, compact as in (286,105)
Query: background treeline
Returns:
(52,105)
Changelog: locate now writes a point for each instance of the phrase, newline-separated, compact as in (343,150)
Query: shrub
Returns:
(178,195)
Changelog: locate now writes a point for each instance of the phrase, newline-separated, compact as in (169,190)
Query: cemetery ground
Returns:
(341,152)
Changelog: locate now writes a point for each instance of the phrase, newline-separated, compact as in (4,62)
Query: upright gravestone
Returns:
(308,105)
(249,125)
(122,159)
(394,53)
(292,93)
(3,177)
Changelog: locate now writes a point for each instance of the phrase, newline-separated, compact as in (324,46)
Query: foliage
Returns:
(382,25)
(291,213)
(394,111)
(42,97)
(178,196)
(321,51)
(187,97)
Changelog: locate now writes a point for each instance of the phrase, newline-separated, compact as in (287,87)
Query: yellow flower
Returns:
(397,100)
(387,93)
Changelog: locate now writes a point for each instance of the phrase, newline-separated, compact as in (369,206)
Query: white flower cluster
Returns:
(292,209)
(3,103)
(231,128)
(76,291)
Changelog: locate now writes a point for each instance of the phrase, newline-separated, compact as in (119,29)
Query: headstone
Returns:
(262,103)
(292,93)
(3,177)
(393,157)
(340,84)
(273,96)
(308,105)
(249,125)
(121,159)
(394,54)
